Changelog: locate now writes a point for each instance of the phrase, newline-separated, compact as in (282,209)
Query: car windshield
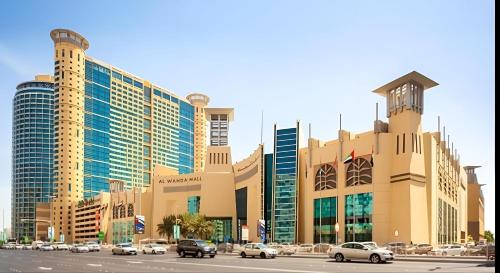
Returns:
(261,246)
(155,245)
(125,245)
(201,243)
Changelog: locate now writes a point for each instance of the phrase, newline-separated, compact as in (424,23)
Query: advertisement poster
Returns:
(139,224)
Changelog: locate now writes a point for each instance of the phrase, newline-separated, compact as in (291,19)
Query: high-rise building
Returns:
(475,205)
(199,101)
(110,125)
(285,184)
(32,152)
(219,125)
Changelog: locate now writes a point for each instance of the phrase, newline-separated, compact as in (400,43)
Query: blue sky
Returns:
(307,60)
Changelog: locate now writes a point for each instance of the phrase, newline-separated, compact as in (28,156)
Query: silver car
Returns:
(124,248)
(358,251)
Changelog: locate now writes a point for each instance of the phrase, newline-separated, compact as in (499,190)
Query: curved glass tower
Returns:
(32,151)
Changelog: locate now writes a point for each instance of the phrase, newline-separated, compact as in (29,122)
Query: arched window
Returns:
(115,212)
(130,210)
(359,172)
(326,178)
(122,211)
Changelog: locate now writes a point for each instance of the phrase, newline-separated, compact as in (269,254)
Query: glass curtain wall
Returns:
(325,217)
(358,217)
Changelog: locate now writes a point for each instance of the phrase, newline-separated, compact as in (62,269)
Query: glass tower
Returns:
(285,184)
(32,152)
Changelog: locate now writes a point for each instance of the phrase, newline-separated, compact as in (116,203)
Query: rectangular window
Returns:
(146,164)
(62,52)
(404,142)
(193,204)
(147,110)
(147,137)
(127,80)
(419,144)
(147,124)
(397,144)
(147,151)
(71,53)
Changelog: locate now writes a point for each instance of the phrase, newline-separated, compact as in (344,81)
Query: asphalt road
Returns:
(104,261)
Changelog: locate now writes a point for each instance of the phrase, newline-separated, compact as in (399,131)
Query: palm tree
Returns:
(166,227)
(196,224)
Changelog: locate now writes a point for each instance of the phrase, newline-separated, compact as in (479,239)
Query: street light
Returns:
(396,234)
(337,228)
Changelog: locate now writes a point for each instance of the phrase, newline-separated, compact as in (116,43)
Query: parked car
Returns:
(93,246)
(258,249)
(483,250)
(60,246)
(225,248)
(399,248)
(19,246)
(124,248)
(36,244)
(374,244)
(357,251)
(284,249)
(196,248)
(305,248)
(321,248)
(79,248)
(153,249)
(423,249)
(10,246)
(46,247)
(27,247)
(450,250)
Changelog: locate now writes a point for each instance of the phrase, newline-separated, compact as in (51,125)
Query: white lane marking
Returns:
(95,265)
(134,262)
(44,268)
(248,267)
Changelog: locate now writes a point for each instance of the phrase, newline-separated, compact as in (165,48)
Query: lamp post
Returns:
(396,234)
(337,228)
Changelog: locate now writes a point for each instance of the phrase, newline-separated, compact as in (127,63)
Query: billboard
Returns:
(139,224)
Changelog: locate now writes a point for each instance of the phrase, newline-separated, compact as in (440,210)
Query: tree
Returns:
(196,225)
(489,236)
(166,227)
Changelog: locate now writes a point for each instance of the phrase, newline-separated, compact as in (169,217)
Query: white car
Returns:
(19,246)
(10,246)
(60,246)
(450,250)
(305,248)
(358,251)
(36,244)
(258,249)
(153,249)
(124,248)
(46,247)
(374,244)
(79,248)
(27,247)
(93,246)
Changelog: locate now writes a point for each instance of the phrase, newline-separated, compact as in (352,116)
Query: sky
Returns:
(290,60)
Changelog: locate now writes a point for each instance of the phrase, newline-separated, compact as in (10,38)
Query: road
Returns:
(104,261)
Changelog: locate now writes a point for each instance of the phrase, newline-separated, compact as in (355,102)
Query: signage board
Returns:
(177,232)
(244,232)
(101,235)
(139,224)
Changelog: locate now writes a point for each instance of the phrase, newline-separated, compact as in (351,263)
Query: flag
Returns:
(349,158)
(371,157)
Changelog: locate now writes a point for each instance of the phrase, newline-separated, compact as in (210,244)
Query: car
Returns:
(225,248)
(450,250)
(358,251)
(258,249)
(321,248)
(195,248)
(36,244)
(93,246)
(153,249)
(10,246)
(27,247)
(399,248)
(374,244)
(485,250)
(124,249)
(423,249)
(284,249)
(79,248)
(46,247)
(60,246)
(305,248)
(18,246)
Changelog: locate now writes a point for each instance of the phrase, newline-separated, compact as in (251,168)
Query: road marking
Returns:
(248,267)
(96,265)
(44,268)
(134,262)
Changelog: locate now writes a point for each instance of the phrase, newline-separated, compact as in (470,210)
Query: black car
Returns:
(195,248)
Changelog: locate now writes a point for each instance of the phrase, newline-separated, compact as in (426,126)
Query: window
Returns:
(122,211)
(326,178)
(130,210)
(397,144)
(404,143)
(359,172)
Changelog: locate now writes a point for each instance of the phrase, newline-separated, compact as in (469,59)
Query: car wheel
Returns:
(135,253)
(444,253)
(339,257)
(243,255)
(182,254)
(144,252)
(262,255)
(375,258)
(199,254)
(153,252)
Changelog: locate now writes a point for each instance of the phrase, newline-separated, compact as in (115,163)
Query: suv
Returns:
(196,248)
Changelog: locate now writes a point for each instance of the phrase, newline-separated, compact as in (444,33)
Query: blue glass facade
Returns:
(286,144)
(32,153)
(193,204)
(358,217)
(186,137)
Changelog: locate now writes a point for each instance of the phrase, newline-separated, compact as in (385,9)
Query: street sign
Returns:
(177,232)
(101,235)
